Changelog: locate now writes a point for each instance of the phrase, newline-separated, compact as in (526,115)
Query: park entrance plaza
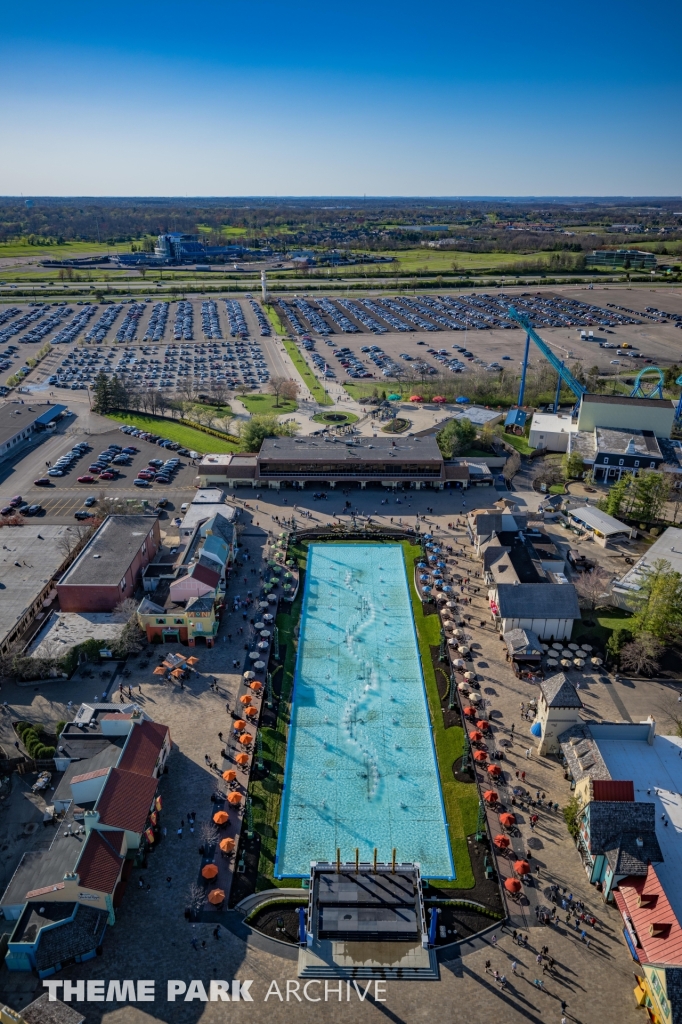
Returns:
(152,937)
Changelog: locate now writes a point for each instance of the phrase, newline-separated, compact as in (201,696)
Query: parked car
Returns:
(83,513)
(89,502)
(141,483)
(87,479)
(42,482)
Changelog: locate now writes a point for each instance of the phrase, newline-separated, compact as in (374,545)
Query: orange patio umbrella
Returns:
(508,819)
(221,817)
(480,756)
(494,770)
(209,871)
(521,867)
(227,844)
(177,673)
(216,897)
(159,671)
(470,712)
(475,736)
(246,699)
(482,725)
(251,712)
(242,759)
(230,775)
(256,686)
(192,661)
(512,885)
(240,724)
(234,799)
(245,739)
(490,796)
(501,842)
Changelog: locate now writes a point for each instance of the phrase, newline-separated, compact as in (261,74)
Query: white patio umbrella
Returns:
(586,647)
(259,625)
(566,662)
(579,662)
(552,662)
(249,675)
(573,647)
(259,664)
(254,655)
(557,647)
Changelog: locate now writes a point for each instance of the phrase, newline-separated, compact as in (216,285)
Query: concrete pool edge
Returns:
(450,877)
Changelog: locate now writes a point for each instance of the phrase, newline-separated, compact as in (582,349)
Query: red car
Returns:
(86,479)
(146,474)
(107,475)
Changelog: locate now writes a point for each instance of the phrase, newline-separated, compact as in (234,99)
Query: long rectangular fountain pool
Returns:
(361,768)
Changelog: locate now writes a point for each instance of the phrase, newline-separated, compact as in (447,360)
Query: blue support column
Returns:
(302,936)
(524,368)
(433,924)
(558,391)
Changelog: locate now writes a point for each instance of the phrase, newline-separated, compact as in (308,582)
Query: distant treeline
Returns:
(375,223)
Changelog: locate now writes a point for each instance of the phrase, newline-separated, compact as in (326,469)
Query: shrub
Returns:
(59,728)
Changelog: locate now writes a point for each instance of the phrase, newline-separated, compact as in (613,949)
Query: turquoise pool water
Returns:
(361,767)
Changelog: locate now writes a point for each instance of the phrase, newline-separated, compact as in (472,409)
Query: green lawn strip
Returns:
(460,799)
(274,318)
(190,438)
(520,443)
(309,378)
(266,794)
(266,405)
(605,623)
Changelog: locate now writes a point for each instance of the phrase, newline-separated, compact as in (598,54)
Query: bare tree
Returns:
(125,609)
(511,466)
(196,897)
(593,587)
(276,386)
(642,655)
(208,833)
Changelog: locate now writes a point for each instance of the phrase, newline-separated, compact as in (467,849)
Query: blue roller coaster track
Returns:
(657,390)
(565,374)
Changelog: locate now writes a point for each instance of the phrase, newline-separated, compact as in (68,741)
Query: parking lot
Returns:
(64,495)
(150,345)
(378,338)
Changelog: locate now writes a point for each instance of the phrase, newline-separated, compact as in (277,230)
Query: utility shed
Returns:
(602,527)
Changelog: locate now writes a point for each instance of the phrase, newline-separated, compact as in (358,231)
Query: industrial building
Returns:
(667,548)
(19,423)
(109,567)
(176,248)
(624,259)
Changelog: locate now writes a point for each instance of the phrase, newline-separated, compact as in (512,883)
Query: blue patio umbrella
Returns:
(536,729)
(394,398)
(427,536)
(441,565)
(423,579)
(427,590)
(461,400)
(447,590)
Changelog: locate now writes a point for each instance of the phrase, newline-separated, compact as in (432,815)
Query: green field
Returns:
(520,443)
(60,252)
(309,378)
(195,440)
(414,260)
(265,405)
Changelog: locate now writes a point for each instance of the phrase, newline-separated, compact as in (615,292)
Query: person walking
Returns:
(514,966)
(169,880)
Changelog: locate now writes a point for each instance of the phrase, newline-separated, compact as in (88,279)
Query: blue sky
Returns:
(376,98)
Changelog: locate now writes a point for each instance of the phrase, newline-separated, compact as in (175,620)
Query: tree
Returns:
(642,655)
(511,466)
(620,636)
(658,602)
(573,465)
(101,393)
(282,387)
(208,833)
(196,897)
(651,490)
(593,586)
(617,500)
(592,379)
(548,472)
(254,431)
(455,437)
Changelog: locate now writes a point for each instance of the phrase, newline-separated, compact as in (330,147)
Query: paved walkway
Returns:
(151,938)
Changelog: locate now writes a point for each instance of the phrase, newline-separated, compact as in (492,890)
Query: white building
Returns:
(667,547)
(551,430)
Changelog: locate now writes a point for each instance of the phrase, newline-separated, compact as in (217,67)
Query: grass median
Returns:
(189,437)
(307,375)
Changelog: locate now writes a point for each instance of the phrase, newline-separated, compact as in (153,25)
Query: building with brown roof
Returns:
(125,802)
(146,749)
